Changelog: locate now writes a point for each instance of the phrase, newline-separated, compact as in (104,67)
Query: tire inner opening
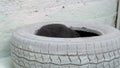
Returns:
(86,32)
(81,32)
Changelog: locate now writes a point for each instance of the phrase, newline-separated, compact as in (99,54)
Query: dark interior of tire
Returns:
(87,34)
(81,32)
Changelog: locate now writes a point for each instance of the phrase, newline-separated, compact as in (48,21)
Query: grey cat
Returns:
(57,30)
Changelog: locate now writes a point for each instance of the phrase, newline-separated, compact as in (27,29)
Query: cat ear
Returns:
(71,26)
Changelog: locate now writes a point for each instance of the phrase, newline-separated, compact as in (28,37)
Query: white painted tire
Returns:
(31,51)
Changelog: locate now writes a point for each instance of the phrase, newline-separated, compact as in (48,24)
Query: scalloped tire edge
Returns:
(31,51)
